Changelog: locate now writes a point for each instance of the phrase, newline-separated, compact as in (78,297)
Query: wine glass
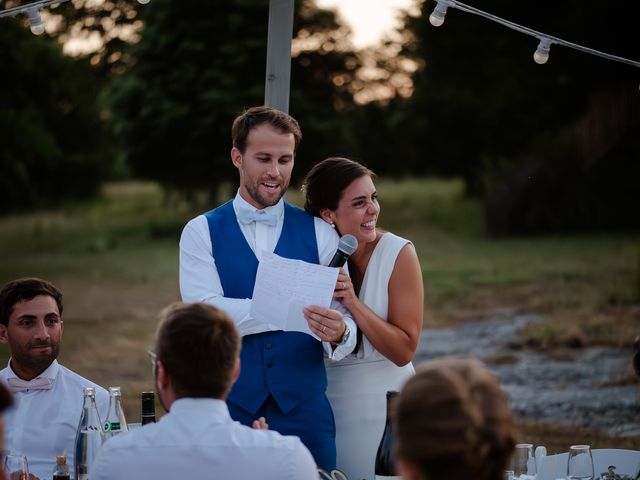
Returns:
(523,463)
(16,466)
(580,463)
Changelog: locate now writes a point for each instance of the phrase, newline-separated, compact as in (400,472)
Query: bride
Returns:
(385,296)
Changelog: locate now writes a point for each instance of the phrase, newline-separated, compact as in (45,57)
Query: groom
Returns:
(282,373)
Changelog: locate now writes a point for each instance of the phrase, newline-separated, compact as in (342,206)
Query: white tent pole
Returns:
(276,92)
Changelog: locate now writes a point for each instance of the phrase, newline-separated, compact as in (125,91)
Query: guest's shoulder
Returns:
(139,438)
(270,439)
(290,449)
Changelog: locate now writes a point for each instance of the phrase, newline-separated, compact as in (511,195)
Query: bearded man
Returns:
(48,397)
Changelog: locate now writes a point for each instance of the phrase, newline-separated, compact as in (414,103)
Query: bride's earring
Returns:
(333,225)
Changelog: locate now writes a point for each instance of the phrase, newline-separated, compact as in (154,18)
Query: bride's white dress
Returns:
(357,385)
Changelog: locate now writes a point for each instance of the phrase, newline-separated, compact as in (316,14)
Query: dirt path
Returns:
(580,389)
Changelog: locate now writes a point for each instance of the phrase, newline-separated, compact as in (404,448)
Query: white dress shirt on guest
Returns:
(198,440)
(200,281)
(43,421)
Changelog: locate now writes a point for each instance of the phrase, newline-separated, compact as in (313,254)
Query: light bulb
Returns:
(437,16)
(541,55)
(436,19)
(37,27)
(143,2)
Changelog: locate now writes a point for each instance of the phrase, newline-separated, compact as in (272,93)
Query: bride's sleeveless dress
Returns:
(358,384)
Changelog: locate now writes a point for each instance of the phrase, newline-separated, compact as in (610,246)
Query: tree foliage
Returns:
(53,142)
(196,68)
(483,109)
(98,30)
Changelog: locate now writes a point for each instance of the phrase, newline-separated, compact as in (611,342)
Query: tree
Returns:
(99,31)
(481,107)
(196,68)
(54,147)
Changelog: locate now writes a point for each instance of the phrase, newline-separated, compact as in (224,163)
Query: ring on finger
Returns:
(324,327)
(344,285)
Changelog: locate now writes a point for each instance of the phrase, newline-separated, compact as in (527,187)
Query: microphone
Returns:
(346,247)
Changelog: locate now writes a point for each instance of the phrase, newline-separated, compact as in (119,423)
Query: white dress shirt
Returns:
(42,423)
(198,440)
(200,281)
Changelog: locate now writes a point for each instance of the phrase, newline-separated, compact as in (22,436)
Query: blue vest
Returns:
(289,366)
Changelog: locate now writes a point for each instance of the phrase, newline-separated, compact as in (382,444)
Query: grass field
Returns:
(116,260)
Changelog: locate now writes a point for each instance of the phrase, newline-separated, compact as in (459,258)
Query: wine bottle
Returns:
(148,407)
(89,436)
(385,468)
(116,422)
(61,471)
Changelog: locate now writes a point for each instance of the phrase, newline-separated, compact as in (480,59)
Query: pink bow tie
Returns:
(16,384)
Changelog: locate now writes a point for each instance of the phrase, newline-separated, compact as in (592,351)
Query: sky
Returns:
(368,19)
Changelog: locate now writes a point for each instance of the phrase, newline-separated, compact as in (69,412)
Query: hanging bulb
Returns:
(541,55)
(37,27)
(437,16)
(143,2)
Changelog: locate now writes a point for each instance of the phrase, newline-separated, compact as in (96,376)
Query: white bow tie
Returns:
(16,384)
(246,216)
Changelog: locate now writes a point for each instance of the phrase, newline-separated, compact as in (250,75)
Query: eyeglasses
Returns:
(153,357)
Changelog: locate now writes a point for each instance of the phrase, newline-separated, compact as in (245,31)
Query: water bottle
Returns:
(385,468)
(115,422)
(89,436)
(148,408)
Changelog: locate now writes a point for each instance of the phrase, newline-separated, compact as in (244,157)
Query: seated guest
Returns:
(453,421)
(48,397)
(196,361)
(5,402)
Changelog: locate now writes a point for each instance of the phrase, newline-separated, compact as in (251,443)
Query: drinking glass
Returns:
(16,466)
(523,462)
(580,463)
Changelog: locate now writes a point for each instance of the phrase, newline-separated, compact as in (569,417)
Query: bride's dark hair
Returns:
(326,181)
(453,421)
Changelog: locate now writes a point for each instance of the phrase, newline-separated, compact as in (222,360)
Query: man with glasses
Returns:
(196,360)
(48,397)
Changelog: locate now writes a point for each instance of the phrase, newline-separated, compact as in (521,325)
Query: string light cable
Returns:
(32,10)
(541,55)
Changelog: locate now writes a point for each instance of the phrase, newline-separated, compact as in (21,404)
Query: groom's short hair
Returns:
(256,116)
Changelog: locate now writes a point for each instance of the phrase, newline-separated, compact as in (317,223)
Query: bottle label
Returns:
(388,477)
(112,427)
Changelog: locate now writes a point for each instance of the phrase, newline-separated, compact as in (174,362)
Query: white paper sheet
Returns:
(284,287)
